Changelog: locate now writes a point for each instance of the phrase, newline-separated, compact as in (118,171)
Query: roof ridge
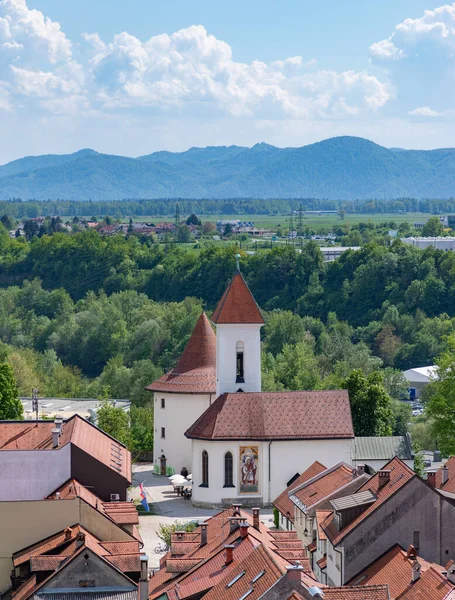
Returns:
(237,305)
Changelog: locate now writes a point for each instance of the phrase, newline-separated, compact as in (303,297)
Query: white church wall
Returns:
(179,412)
(286,459)
(227,337)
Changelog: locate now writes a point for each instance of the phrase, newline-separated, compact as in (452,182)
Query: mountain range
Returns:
(338,168)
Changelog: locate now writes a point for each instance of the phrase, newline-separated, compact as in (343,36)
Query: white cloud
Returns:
(193,72)
(437,26)
(425,111)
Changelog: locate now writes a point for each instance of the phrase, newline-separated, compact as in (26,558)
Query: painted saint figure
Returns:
(249,470)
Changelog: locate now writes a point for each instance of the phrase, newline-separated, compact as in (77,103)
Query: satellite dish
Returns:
(216,238)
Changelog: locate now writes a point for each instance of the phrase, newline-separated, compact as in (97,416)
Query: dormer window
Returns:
(239,363)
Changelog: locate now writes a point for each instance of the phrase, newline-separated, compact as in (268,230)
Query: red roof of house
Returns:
(400,474)
(322,485)
(276,415)
(395,569)
(449,486)
(37,435)
(123,513)
(283,502)
(195,372)
(237,304)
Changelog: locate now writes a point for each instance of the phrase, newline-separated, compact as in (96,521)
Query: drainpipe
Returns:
(270,472)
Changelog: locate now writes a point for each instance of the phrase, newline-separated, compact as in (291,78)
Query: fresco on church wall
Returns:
(249,469)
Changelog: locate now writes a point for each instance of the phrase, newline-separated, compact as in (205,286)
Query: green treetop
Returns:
(10,405)
(371,406)
(441,405)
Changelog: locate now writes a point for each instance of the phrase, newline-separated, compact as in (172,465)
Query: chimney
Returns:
(80,539)
(294,572)
(244,530)
(143,581)
(415,571)
(234,522)
(236,508)
(437,456)
(58,423)
(203,534)
(256,518)
(384,477)
(450,566)
(58,496)
(444,475)
(68,533)
(360,470)
(55,436)
(411,553)
(431,479)
(229,556)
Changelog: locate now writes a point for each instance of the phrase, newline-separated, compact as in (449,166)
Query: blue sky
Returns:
(138,76)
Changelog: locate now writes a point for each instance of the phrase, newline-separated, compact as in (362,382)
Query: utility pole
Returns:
(177,221)
(35,401)
(300,222)
(291,225)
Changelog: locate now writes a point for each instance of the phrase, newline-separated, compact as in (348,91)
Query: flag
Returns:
(144,502)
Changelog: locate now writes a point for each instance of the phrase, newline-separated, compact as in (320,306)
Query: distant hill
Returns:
(339,168)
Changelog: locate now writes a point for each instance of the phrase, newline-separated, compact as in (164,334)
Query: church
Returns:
(211,416)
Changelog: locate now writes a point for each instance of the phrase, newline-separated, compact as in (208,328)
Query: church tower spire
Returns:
(238,321)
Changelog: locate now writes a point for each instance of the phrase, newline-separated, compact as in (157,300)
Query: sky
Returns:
(139,76)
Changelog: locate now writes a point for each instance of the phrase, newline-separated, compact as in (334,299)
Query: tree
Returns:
(441,405)
(165,530)
(208,227)
(8,222)
(31,228)
(371,406)
(193,220)
(10,405)
(433,227)
(342,213)
(228,230)
(183,234)
(115,422)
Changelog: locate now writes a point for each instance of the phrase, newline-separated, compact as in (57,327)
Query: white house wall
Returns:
(33,474)
(181,411)
(287,459)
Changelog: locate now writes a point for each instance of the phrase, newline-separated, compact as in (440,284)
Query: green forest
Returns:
(87,316)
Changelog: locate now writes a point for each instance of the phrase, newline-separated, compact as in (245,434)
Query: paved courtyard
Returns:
(167,509)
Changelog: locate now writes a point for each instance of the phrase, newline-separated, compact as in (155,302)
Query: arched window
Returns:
(205,469)
(239,363)
(228,470)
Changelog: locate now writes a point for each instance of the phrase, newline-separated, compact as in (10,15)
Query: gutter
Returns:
(270,471)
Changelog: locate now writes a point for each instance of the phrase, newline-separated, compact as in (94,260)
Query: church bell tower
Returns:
(238,321)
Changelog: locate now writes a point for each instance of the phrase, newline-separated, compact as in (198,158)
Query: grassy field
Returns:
(314,221)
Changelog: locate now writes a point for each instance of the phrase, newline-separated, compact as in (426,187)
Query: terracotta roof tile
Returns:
(37,435)
(322,485)
(321,516)
(237,304)
(395,569)
(46,562)
(322,562)
(449,486)
(283,503)
(276,415)
(196,370)
(400,474)
(123,513)
(376,592)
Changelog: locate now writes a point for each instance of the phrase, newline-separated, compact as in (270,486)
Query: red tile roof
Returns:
(375,592)
(123,513)
(400,474)
(209,558)
(449,486)
(37,435)
(322,485)
(276,415)
(322,562)
(237,304)
(283,503)
(321,516)
(195,372)
(395,569)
